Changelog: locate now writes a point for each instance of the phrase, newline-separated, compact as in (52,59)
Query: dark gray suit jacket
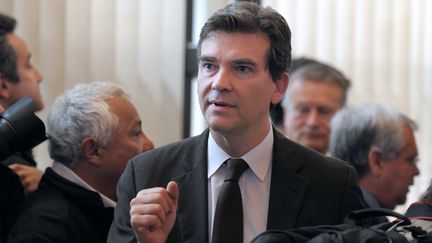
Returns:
(307,188)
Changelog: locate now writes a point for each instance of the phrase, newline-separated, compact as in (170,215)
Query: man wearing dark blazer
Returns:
(170,194)
(19,78)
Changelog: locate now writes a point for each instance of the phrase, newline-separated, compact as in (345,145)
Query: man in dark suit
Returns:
(12,193)
(243,53)
(18,78)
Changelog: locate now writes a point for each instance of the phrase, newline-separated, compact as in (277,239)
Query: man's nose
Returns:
(416,170)
(222,80)
(148,144)
(312,118)
(39,77)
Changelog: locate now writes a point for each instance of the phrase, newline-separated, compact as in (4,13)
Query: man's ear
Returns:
(375,161)
(5,87)
(90,151)
(281,85)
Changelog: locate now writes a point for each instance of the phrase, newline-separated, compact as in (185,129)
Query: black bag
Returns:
(356,229)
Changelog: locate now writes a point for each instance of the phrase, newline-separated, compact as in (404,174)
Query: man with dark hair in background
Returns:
(177,193)
(18,78)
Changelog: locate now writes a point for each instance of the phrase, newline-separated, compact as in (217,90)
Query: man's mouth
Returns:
(221,103)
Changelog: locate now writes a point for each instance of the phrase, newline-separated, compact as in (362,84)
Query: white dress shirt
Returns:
(254,184)
(68,174)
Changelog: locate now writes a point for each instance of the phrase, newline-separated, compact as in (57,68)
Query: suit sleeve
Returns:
(33,237)
(38,227)
(353,199)
(121,230)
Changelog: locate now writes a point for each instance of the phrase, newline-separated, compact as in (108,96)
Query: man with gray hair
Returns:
(93,131)
(316,92)
(379,142)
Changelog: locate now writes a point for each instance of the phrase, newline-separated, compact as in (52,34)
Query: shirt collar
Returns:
(258,158)
(369,198)
(68,174)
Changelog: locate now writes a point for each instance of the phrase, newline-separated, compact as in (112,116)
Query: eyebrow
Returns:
(135,124)
(241,61)
(244,61)
(206,59)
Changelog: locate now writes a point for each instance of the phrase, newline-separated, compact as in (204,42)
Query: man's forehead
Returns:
(317,82)
(315,87)
(236,45)
(314,97)
(245,37)
(12,38)
(18,44)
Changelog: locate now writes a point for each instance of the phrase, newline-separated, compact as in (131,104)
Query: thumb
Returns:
(16,167)
(172,189)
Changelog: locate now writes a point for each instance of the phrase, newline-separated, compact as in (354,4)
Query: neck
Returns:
(372,185)
(100,182)
(238,144)
(367,182)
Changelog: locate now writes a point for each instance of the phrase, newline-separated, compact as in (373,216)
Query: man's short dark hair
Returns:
(247,17)
(8,57)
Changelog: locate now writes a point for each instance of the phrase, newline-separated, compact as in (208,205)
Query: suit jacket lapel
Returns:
(192,208)
(287,189)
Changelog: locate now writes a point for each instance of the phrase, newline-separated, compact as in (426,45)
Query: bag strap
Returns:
(356,216)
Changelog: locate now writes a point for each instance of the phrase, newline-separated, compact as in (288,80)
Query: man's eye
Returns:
(243,69)
(137,133)
(303,110)
(208,66)
(208,69)
(413,160)
(324,111)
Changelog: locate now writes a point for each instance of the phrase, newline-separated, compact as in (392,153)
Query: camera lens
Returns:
(20,128)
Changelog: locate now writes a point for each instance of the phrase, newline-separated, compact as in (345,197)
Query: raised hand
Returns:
(153,213)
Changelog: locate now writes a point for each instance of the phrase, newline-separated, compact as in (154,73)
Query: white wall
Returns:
(135,43)
(384,46)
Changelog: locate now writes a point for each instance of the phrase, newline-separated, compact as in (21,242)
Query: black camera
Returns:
(20,128)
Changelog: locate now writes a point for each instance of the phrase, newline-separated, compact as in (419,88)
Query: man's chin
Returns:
(316,146)
(39,104)
(39,107)
(220,129)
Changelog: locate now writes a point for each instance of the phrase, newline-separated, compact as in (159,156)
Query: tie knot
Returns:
(235,169)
